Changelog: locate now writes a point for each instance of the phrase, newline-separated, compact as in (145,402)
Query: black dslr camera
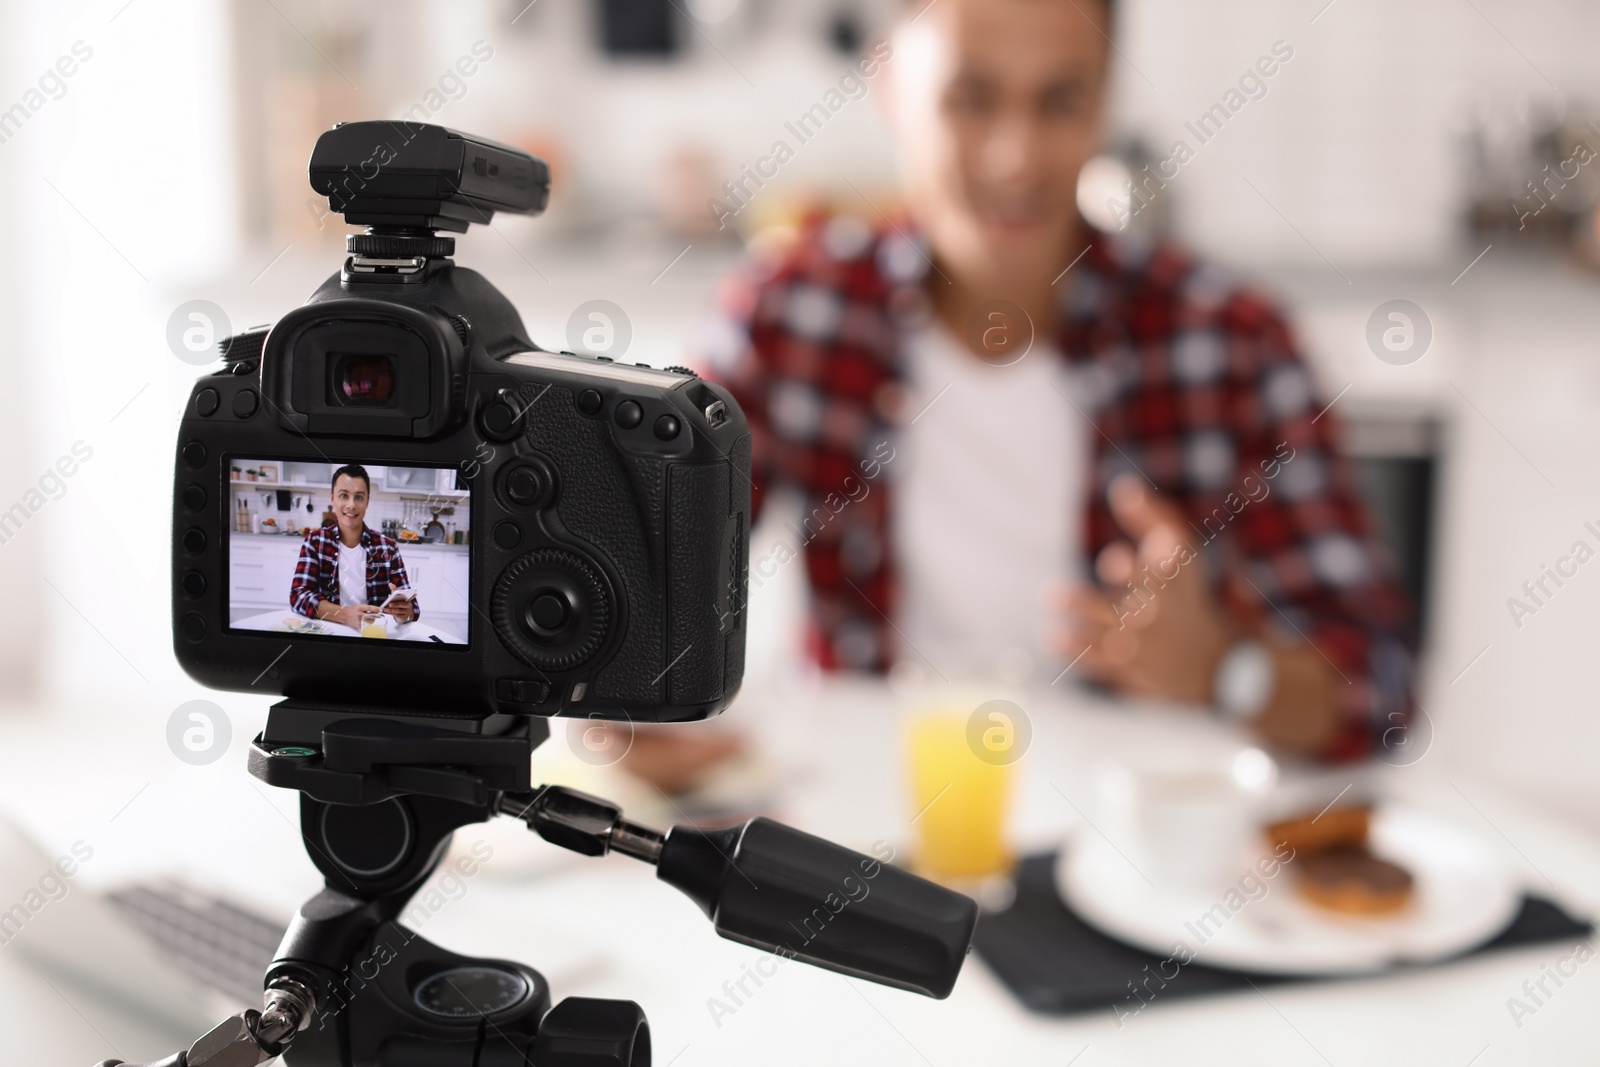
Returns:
(563,535)
(428,534)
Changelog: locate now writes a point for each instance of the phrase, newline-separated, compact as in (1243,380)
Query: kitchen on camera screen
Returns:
(358,550)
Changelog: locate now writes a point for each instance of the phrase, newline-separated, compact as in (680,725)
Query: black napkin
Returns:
(1056,963)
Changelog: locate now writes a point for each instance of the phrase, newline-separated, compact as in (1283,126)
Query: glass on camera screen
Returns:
(354,550)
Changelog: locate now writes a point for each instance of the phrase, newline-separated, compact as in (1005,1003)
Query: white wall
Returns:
(117,189)
(1354,141)
(1515,695)
(20,639)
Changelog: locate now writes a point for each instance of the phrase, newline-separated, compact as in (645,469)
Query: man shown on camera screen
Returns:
(348,570)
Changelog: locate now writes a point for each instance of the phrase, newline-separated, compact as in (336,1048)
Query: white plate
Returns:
(1465,894)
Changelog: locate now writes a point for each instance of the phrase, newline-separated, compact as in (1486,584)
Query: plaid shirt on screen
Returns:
(316,572)
(1192,382)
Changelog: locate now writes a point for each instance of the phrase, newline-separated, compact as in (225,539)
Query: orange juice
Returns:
(958,800)
(372,626)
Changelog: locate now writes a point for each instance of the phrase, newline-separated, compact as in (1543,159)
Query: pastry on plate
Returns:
(1352,881)
(1335,828)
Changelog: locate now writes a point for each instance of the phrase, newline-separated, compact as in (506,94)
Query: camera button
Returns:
(508,535)
(667,427)
(206,403)
(589,402)
(194,540)
(246,403)
(549,612)
(194,454)
(524,486)
(523,690)
(194,497)
(194,584)
(194,627)
(629,414)
(499,420)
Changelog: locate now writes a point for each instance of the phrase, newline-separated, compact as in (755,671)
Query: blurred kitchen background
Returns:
(1434,151)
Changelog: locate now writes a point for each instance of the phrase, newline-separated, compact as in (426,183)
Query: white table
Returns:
(405,631)
(606,928)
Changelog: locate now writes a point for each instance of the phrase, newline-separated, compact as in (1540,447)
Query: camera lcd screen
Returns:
(349,550)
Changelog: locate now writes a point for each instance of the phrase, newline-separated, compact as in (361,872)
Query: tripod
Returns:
(380,796)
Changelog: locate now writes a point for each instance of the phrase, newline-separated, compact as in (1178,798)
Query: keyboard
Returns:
(219,944)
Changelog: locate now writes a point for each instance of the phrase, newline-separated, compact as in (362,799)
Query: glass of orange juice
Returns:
(960,752)
(374,625)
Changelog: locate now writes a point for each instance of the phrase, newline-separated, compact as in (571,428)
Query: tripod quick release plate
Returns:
(338,758)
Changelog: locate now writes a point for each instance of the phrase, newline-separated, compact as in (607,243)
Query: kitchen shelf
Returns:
(450,494)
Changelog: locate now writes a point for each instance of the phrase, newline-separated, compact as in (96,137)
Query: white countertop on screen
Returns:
(280,620)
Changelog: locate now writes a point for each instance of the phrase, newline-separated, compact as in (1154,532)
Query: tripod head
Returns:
(380,796)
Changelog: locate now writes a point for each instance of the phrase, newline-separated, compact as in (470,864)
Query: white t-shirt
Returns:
(352,574)
(989,495)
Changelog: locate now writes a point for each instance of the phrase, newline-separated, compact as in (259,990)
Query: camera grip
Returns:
(776,888)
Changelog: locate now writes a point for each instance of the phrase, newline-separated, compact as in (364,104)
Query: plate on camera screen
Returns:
(277,584)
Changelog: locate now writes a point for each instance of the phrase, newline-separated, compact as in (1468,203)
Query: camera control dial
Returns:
(552,608)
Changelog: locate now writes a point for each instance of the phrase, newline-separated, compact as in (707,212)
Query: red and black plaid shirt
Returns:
(316,572)
(1194,384)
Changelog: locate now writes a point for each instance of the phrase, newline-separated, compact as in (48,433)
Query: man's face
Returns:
(996,105)
(350,497)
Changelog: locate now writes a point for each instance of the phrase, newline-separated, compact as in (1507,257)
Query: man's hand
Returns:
(344,614)
(401,608)
(1159,632)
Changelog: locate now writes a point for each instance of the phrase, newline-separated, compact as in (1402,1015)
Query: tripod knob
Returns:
(584,1032)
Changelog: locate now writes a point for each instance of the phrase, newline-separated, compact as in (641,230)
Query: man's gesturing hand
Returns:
(1157,630)
(1161,631)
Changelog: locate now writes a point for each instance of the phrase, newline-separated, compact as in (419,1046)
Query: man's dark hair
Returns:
(353,470)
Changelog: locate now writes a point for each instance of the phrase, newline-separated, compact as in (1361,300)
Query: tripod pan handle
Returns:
(776,888)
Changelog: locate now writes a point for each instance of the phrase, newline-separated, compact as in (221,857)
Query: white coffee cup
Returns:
(1189,822)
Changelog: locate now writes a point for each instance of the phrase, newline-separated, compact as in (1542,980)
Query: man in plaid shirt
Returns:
(1233,564)
(347,568)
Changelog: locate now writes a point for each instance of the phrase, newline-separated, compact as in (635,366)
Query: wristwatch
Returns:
(1244,681)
